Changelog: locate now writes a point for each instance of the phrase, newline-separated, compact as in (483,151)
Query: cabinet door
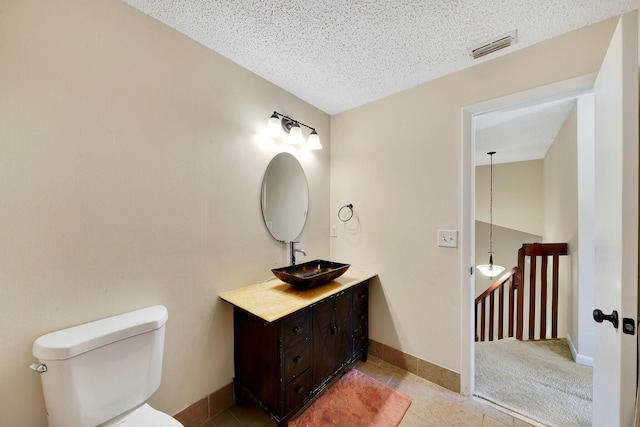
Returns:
(343,330)
(332,336)
(324,358)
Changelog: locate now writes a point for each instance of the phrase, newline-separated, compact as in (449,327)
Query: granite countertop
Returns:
(275,299)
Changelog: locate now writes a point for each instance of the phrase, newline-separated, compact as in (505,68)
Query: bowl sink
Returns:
(310,274)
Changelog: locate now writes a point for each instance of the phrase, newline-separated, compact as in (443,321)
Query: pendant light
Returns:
(490,270)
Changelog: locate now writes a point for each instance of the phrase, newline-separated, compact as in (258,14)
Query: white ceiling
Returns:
(519,134)
(339,54)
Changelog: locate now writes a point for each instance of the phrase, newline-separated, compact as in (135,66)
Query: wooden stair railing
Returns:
(543,251)
(484,333)
(518,288)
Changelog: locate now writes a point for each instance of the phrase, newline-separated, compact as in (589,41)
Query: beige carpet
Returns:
(356,400)
(538,379)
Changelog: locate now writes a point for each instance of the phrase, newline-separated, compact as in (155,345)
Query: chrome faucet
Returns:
(293,252)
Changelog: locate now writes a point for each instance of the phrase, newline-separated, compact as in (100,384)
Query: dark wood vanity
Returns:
(289,344)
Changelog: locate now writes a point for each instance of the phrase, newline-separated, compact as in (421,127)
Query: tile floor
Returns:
(431,405)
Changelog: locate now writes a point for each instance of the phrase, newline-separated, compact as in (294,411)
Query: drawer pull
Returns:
(297,359)
(299,389)
(297,329)
(362,296)
(334,330)
(362,317)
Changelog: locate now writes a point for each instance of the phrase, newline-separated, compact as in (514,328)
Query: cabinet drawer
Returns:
(295,329)
(297,390)
(297,360)
(361,296)
(360,307)
(360,338)
(360,317)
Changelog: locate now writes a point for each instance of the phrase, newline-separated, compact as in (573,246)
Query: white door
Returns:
(616,235)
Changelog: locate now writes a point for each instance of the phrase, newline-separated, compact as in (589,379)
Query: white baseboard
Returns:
(580,359)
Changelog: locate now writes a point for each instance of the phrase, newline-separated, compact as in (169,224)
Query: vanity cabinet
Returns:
(283,364)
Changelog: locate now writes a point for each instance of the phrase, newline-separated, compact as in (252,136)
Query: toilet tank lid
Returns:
(76,340)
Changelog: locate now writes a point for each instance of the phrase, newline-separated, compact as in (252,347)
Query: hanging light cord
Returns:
(491,153)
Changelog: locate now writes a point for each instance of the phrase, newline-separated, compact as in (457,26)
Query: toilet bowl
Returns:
(102,373)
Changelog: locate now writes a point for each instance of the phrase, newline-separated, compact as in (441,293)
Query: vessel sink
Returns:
(310,274)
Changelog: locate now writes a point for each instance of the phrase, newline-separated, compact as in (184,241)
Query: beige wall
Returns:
(517,195)
(561,184)
(561,216)
(130,169)
(398,160)
(131,165)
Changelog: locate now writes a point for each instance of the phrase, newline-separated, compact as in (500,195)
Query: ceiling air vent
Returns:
(493,45)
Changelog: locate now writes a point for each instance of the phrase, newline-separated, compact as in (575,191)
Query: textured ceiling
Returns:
(338,54)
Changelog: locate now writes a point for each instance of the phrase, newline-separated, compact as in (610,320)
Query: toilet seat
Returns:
(144,416)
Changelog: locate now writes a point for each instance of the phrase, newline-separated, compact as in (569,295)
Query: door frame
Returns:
(572,87)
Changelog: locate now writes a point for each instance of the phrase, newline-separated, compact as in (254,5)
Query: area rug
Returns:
(356,400)
(538,379)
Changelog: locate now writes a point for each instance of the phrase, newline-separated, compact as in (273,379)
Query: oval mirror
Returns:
(285,197)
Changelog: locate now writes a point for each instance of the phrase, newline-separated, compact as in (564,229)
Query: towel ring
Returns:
(348,215)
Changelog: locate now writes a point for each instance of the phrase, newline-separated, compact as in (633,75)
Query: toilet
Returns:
(102,373)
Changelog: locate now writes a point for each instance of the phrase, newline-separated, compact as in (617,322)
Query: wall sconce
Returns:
(279,123)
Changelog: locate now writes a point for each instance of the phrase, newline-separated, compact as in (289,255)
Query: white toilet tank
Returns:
(100,370)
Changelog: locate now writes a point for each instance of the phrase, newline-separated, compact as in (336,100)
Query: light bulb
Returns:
(295,134)
(314,141)
(490,270)
(274,127)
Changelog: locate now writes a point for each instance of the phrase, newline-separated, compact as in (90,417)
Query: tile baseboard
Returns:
(206,408)
(427,370)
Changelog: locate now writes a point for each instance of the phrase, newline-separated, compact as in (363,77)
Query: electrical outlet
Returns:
(448,238)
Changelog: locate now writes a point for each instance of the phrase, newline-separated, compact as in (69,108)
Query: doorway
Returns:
(615,88)
(531,188)
(563,90)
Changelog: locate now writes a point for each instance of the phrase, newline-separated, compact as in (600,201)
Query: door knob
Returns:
(599,316)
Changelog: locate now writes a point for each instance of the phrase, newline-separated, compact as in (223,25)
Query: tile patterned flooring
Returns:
(431,405)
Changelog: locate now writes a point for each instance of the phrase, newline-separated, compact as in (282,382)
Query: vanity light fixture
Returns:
(490,270)
(279,123)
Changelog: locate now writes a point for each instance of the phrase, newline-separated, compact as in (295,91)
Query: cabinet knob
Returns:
(299,389)
(297,359)
(297,329)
